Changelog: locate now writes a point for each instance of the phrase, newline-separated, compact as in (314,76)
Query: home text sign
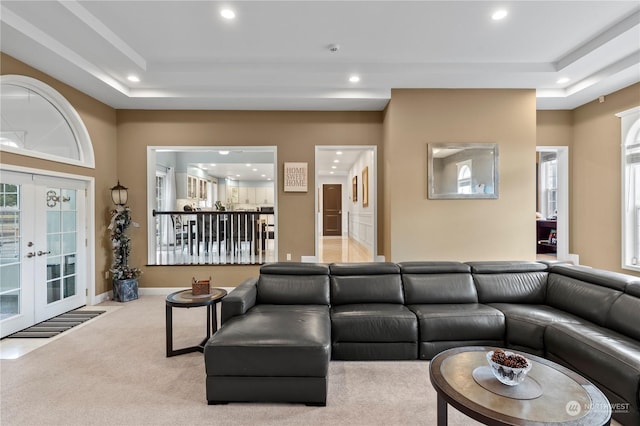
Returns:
(295,177)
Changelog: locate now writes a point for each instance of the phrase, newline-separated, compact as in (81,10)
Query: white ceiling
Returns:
(274,55)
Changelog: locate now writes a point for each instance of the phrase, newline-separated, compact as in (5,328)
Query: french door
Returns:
(42,248)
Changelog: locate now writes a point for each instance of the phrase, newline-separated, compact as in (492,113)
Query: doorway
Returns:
(331,210)
(43,256)
(553,203)
(351,235)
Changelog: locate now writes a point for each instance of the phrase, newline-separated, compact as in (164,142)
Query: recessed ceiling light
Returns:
(223,152)
(336,161)
(263,175)
(354,79)
(237,175)
(499,14)
(248,165)
(255,170)
(338,152)
(563,80)
(334,167)
(227,14)
(133,78)
(330,173)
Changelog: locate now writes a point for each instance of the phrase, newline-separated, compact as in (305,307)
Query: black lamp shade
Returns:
(119,195)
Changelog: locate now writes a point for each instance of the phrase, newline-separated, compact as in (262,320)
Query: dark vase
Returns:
(125,290)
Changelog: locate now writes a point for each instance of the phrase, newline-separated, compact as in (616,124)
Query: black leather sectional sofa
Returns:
(280,330)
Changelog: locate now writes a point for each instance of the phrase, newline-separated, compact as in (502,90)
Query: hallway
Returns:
(342,249)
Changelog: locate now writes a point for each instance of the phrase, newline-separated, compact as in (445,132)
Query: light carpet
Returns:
(114,372)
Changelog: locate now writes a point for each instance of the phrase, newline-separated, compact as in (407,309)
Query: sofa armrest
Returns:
(239,300)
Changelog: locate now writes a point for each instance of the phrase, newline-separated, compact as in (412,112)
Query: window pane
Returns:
(69,243)
(9,304)
(53,222)
(31,122)
(68,221)
(53,291)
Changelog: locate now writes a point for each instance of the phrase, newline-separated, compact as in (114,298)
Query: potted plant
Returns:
(125,278)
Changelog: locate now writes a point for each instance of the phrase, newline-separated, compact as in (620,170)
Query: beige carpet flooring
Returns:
(113,371)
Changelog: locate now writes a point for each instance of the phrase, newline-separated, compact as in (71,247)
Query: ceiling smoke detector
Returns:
(333,48)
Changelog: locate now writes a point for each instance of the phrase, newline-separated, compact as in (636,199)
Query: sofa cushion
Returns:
(366,283)
(624,316)
(434,267)
(511,287)
(439,288)
(586,300)
(525,323)
(364,268)
(288,283)
(600,277)
(506,266)
(599,354)
(633,289)
(463,321)
(272,340)
(373,322)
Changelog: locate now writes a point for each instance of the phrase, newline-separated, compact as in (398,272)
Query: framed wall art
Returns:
(295,177)
(365,187)
(354,189)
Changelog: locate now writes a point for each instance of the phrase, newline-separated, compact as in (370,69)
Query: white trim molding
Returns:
(68,112)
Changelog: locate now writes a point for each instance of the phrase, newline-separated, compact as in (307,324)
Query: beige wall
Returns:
(100,121)
(554,128)
(294,133)
(423,229)
(596,180)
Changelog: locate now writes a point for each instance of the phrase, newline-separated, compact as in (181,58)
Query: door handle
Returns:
(30,254)
(40,252)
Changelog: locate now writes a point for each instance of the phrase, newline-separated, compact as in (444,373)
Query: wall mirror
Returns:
(462,171)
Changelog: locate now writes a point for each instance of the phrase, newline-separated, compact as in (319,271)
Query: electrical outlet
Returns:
(106,275)
(288,256)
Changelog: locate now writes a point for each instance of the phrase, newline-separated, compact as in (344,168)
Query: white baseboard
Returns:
(146,291)
(574,258)
(163,291)
(103,297)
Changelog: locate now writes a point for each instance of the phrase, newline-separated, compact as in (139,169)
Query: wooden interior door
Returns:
(331,210)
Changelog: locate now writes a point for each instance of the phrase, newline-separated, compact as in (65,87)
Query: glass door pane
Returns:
(10,290)
(62,238)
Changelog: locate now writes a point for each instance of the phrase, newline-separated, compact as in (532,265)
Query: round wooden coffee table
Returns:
(567,397)
(186,299)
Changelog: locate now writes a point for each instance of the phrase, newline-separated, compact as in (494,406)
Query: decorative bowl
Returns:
(508,375)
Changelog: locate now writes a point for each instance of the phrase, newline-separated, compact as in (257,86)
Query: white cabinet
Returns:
(192,187)
(264,195)
(247,195)
(251,195)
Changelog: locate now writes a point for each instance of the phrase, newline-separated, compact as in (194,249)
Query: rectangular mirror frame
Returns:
(432,177)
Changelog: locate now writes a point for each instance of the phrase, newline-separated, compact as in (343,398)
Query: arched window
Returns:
(464,177)
(631,188)
(37,121)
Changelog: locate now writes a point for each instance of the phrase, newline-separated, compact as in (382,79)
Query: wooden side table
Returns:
(568,399)
(186,299)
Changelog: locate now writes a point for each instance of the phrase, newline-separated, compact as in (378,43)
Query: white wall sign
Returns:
(295,177)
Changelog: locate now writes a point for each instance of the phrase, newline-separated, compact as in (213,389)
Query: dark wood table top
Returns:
(567,399)
(186,299)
